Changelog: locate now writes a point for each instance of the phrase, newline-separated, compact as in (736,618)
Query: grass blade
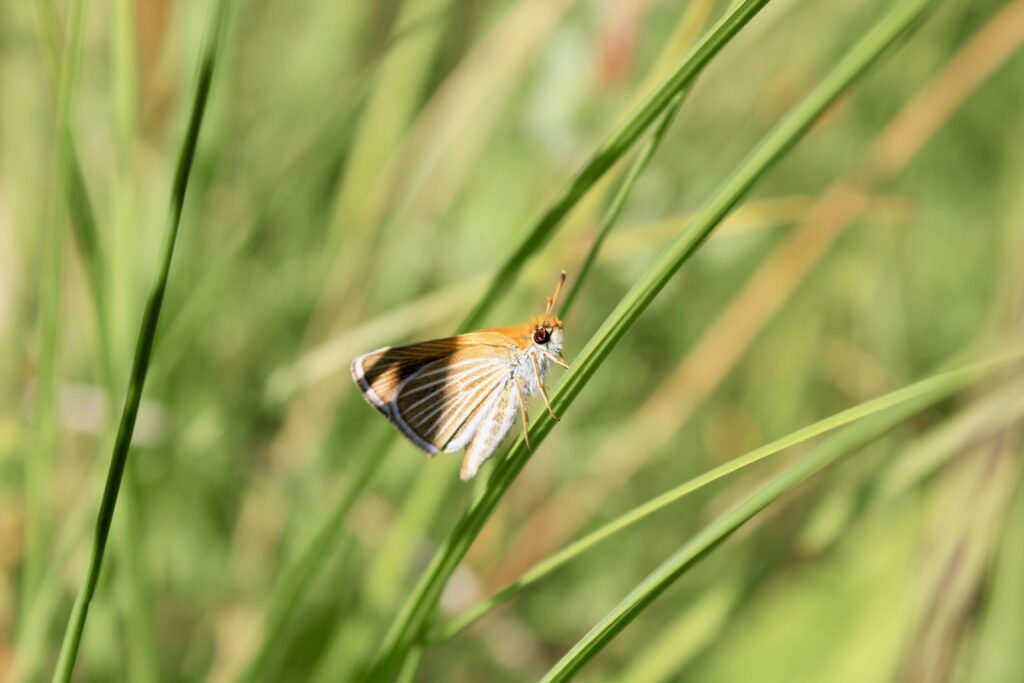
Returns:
(82,215)
(614,148)
(143,349)
(715,533)
(415,616)
(923,393)
(611,216)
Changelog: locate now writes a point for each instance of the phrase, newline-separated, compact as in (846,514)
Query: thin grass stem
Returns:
(622,192)
(616,146)
(144,347)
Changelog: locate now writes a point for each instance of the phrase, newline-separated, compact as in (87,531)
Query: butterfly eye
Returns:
(540,335)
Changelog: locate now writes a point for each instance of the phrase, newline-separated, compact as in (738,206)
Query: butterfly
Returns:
(464,392)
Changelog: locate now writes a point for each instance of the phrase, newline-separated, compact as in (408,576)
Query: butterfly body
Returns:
(461,392)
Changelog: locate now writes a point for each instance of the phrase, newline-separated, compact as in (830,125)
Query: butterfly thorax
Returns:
(524,352)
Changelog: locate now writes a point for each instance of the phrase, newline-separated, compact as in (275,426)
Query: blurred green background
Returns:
(363,169)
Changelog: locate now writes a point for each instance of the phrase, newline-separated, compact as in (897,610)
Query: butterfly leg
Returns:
(555,359)
(540,384)
(522,413)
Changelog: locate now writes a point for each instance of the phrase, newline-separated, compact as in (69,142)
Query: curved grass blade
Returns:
(614,148)
(628,180)
(715,533)
(143,349)
(414,618)
(924,393)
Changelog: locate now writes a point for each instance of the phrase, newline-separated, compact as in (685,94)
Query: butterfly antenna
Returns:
(553,297)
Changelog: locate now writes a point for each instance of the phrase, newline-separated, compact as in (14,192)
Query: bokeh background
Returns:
(363,169)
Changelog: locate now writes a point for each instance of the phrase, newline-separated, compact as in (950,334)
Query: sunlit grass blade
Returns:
(622,192)
(712,535)
(144,347)
(924,393)
(415,616)
(612,150)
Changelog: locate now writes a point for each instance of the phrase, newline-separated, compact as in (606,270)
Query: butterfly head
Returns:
(547,332)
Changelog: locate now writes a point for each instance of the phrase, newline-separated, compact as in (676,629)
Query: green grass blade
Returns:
(923,393)
(415,616)
(609,153)
(143,350)
(622,192)
(715,533)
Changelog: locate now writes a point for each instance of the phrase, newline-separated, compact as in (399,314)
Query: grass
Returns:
(143,352)
(417,613)
(314,554)
(39,469)
(709,537)
(765,225)
(917,395)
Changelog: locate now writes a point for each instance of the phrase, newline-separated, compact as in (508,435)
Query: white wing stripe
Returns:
(462,400)
(445,368)
(456,421)
(464,377)
(443,400)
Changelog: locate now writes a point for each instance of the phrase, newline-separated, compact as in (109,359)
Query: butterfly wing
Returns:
(493,428)
(436,392)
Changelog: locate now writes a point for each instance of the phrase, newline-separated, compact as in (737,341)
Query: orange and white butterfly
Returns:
(463,391)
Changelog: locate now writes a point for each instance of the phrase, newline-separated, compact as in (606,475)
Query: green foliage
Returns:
(793,319)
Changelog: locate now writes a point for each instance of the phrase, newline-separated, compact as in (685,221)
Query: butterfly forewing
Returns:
(439,392)
(380,373)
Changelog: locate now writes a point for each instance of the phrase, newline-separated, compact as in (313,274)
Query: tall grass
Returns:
(144,348)
(417,613)
(315,550)
(756,245)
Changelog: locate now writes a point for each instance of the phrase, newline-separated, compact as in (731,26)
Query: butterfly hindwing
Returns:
(495,426)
